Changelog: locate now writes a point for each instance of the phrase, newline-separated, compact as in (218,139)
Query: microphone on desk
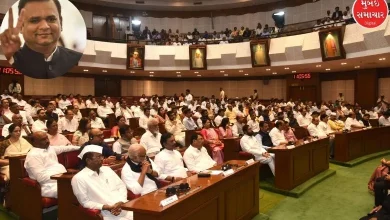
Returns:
(172,190)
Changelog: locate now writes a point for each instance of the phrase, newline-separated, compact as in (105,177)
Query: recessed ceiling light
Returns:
(196,72)
(274,73)
(246,74)
(357,67)
(178,75)
(104,71)
(151,72)
(85,70)
(225,74)
(132,72)
(286,68)
(222,71)
(268,69)
(241,71)
(327,69)
(198,75)
(383,58)
(151,75)
(293,71)
(318,65)
(177,72)
(343,63)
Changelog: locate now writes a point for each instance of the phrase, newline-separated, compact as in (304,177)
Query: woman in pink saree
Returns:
(211,138)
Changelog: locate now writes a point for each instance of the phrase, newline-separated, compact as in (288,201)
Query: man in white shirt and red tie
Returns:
(99,187)
(251,145)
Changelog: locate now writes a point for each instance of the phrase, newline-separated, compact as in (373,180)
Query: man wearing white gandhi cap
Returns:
(99,187)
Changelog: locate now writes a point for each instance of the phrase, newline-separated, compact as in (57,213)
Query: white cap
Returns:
(333,114)
(90,148)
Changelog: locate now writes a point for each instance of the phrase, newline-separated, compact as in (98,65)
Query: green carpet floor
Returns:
(343,196)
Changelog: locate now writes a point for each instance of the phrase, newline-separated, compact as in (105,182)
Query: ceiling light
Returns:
(178,75)
(268,69)
(357,67)
(274,73)
(196,72)
(246,74)
(104,71)
(85,70)
(151,72)
(222,71)
(177,72)
(318,65)
(241,71)
(198,75)
(327,69)
(286,68)
(343,63)
(132,72)
(383,58)
(151,75)
(293,71)
(225,74)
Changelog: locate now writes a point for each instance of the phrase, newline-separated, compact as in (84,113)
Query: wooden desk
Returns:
(295,166)
(349,146)
(218,197)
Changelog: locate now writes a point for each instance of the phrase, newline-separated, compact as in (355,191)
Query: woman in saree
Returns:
(211,138)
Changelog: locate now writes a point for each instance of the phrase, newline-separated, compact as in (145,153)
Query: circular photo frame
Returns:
(43,39)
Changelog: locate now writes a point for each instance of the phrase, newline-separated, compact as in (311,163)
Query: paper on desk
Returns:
(215,172)
(290,146)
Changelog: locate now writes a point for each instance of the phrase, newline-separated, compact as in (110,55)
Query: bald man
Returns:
(42,163)
(16,119)
(151,139)
(140,173)
(96,137)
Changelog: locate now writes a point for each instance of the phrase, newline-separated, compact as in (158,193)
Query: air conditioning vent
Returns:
(198,3)
(140,2)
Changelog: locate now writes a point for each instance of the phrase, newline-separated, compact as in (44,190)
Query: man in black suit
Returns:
(40,22)
(337,14)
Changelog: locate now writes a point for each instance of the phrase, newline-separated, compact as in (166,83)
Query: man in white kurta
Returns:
(352,123)
(68,123)
(42,163)
(175,127)
(40,123)
(96,122)
(104,110)
(304,119)
(196,157)
(314,129)
(151,138)
(99,187)
(276,134)
(124,111)
(139,182)
(170,160)
(251,145)
(384,120)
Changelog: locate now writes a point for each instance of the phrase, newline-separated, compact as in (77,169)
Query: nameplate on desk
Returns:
(290,146)
(109,140)
(228,172)
(249,162)
(169,200)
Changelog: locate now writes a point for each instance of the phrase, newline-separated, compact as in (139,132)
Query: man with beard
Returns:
(251,145)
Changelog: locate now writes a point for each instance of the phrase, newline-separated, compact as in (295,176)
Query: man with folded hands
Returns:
(99,187)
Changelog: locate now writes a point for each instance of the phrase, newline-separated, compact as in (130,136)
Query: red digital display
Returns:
(302,76)
(9,71)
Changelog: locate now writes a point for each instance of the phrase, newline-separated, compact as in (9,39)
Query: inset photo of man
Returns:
(43,39)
